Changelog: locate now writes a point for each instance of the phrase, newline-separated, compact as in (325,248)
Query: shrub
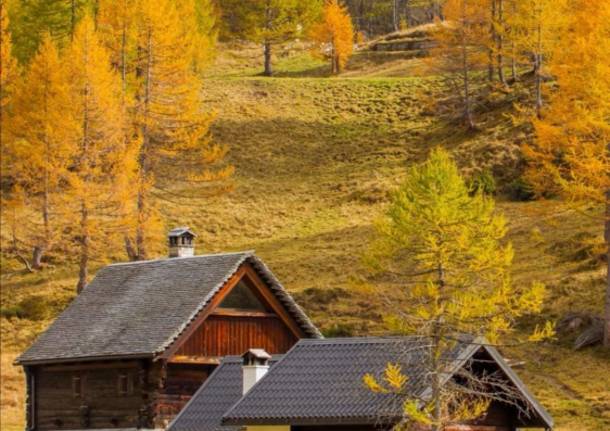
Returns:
(483,181)
(31,308)
(520,190)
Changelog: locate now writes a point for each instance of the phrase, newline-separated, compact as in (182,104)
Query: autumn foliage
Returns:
(105,122)
(335,34)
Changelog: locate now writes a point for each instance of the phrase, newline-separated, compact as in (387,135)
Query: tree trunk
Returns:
(465,77)
(500,43)
(395,20)
(72,18)
(437,334)
(132,254)
(268,68)
(538,81)
(606,340)
(83,269)
(538,72)
(140,234)
(37,254)
(141,208)
(490,53)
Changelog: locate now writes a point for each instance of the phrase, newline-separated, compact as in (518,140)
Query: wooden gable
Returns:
(243,314)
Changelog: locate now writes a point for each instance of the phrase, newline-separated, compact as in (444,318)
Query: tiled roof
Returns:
(138,309)
(219,392)
(320,382)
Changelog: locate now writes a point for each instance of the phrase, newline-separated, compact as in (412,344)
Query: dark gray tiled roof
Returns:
(219,392)
(138,309)
(320,382)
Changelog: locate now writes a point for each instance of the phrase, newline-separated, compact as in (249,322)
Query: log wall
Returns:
(97,403)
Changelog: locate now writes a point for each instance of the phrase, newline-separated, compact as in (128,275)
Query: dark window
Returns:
(125,384)
(243,298)
(78,386)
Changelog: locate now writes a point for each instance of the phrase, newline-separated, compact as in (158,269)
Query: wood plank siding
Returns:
(233,335)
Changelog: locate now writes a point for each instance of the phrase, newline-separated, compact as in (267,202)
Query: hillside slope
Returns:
(315,159)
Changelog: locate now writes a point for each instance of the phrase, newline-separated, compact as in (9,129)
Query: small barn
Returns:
(318,386)
(133,347)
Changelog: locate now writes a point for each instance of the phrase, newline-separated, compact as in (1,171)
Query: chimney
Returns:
(255,366)
(181,242)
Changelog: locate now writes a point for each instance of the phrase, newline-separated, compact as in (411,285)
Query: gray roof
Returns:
(138,309)
(177,231)
(320,382)
(218,393)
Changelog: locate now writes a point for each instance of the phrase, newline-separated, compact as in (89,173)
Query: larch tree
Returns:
(39,148)
(334,35)
(101,158)
(177,158)
(206,16)
(461,51)
(443,245)
(10,196)
(8,65)
(269,22)
(33,18)
(571,152)
(536,28)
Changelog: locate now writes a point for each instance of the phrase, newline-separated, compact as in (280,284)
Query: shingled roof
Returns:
(320,382)
(138,309)
(220,391)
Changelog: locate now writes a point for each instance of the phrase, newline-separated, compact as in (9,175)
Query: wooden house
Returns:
(133,347)
(318,386)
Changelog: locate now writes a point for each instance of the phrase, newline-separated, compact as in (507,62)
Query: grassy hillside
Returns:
(315,158)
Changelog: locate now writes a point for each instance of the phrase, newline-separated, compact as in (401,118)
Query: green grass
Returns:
(316,157)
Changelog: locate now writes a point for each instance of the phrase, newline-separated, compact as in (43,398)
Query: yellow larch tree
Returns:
(462,50)
(177,159)
(39,148)
(536,29)
(116,25)
(8,65)
(101,159)
(334,34)
(571,152)
(444,246)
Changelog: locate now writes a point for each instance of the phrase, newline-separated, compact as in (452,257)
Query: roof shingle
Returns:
(138,309)
(320,382)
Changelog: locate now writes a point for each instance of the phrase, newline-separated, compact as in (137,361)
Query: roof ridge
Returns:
(358,340)
(173,259)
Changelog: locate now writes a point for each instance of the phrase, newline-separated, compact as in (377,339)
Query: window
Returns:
(78,386)
(242,297)
(125,384)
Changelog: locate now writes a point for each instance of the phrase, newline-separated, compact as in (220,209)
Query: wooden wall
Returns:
(100,404)
(233,335)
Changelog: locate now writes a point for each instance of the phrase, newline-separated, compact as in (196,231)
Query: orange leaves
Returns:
(572,137)
(335,34)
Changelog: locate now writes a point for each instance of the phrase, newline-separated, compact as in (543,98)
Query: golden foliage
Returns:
(98,135)
(444,242)
(335,32)
(176,148)
(39,149)
(570,155)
